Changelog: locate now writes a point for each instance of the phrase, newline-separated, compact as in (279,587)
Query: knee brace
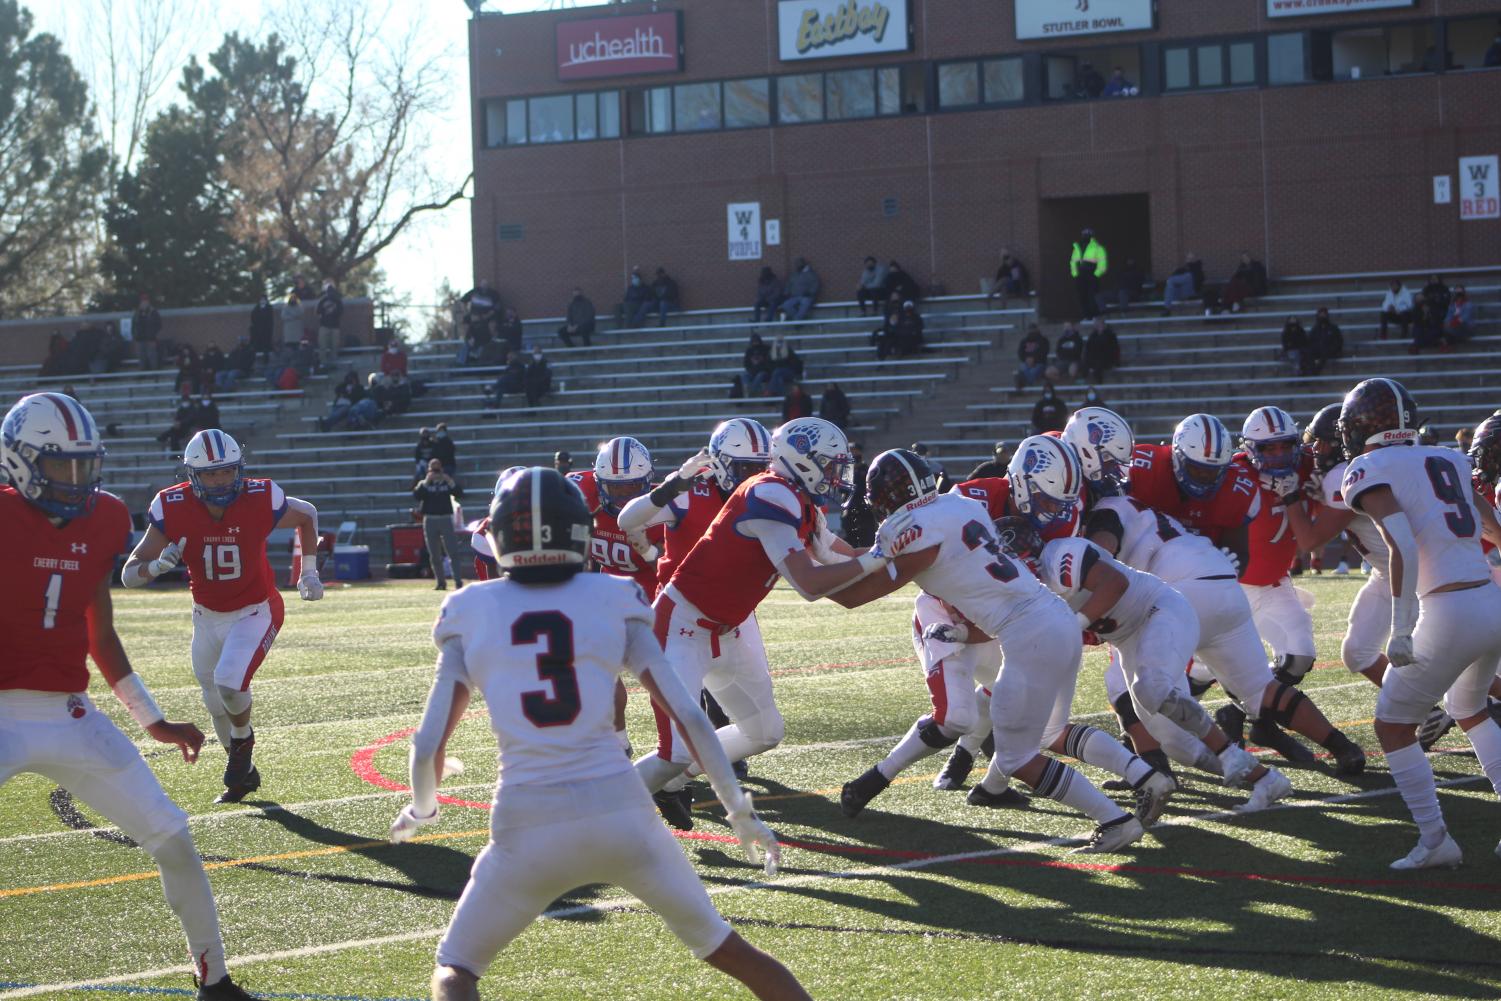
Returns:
(1186,713)
(1284,703)
(1125,711)
(1292,667)
(932,734)
(235,701)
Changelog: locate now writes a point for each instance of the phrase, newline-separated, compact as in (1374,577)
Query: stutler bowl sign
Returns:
(619,46)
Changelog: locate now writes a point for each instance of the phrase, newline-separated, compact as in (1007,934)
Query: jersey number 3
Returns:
(555,665)
(977,535)
(1448,488)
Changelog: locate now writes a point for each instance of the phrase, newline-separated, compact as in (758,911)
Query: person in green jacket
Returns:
(1087,266)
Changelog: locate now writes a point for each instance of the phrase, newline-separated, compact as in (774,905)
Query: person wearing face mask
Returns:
(580,320)
(208,412)
(1092,397)
(330,319)
(638,299)
(538,378)
(1325,342)
(1049,413)
(393,361)
(444,449)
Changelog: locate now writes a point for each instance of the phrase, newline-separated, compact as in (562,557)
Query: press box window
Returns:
(850,94)
(1085,73)
(651,111)
(1003,81)
(747,103)
(1220,64)
(696,107)
(550,119)
(958,85)
(1361,53)
(1474,43)
(1286,58)
(800,98)
(515,123)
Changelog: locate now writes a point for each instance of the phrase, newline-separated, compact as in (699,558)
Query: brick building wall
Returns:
(1311,178)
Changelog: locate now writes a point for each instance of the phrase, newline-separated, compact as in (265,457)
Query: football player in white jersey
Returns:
(1154,630)
(545,646)
(947,545)
(1229,645)
(1446,614)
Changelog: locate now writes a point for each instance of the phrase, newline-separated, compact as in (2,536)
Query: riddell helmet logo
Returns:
(537,559)
(1397,437)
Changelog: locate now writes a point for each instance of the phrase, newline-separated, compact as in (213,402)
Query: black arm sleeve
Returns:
(1105,521)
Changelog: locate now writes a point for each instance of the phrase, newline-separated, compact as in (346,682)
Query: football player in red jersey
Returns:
(771,526)
(1022,492)
(1193,480)
(622,472)
(216,522)
(61,536)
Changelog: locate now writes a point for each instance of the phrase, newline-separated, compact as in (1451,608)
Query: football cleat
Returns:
(1232,719)
(1349,757)
(1434,727)
(223,990)
(1112,836)
(239,766)
(676,807)
(741,769)
(1152,796)
(956,771)
(239,790)
(1445,855)
(1237,763)
(1268,789)
(854,795)
(1265,733)
(1007,797)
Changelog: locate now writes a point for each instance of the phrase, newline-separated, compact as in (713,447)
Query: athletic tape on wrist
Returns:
(132,693)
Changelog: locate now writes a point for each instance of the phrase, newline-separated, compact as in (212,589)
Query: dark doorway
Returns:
(1122,223)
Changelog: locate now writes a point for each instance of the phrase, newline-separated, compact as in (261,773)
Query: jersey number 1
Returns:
(1448,488)
(555,665)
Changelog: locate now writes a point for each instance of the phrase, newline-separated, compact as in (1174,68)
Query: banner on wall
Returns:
(1479,188)
(619,46)
(744,220)
(1294,8)
(823,29)
(1061,18)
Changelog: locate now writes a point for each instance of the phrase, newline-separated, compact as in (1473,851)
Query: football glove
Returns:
(946,632)
(170,556)
(756,839)
(1232,556)
(643,546)
(696,466)
(821,541)
(1283,485)
(309,587)
(892,537)
(1399,651)
(407,823)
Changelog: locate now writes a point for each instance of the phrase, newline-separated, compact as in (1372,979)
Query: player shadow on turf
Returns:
(431,870)
(1159,904)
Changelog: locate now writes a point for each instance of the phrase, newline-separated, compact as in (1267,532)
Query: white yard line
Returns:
(623,903)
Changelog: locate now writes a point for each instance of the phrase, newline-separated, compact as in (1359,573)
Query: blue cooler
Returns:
(351,562)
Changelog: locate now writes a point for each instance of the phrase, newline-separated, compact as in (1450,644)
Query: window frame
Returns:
(1194,46)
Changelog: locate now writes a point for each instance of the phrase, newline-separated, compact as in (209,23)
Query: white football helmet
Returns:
(622,472)
(814,454)
(1202,451)
(1102,439)
(213,449)
(1274,427)
(51,451)
(738,450)
(1045,479)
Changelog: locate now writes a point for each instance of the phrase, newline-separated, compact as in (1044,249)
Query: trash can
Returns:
(351,562)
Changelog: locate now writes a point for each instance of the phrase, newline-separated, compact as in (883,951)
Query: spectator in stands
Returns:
(1088,84)
(579,321)
(1032,354)
(1088,264)
(346,394)
(70,392)
(292,312)
(1011,279)
(1049,413)
(1436,294)
(995,466)
(1248,282)
(435,495)
(908,337)
(1396,307)
(786,366)
(538,378)
(1118,85)
(393,360)
(1464,438)
(870,289)
(481,306)
(189,372)
(304,290)
(427,447)
(184,424)
(330,324)
(1092,397)
(242,358)
(1295,346)
(664,294)
(444,449)
(511,380)
(796,403)
(211,363)
(834,407)
(901,285)
(1457,323)
(939,473)
(757,362)
(801,291)
(638,299)
(112,350)
(1325,342)
(207,414)
(737,388)
(262,326)
(768,295)
(1183,284)
(508,332)
(859,521)
(57,354)
(1129,281)
(145,329)
(1070,351)
(395,396)
(562,461)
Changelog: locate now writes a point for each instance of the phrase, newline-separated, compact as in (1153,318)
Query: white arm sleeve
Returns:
(1404,544)
(430,733)
(642,654)
(777,539)
(641,514)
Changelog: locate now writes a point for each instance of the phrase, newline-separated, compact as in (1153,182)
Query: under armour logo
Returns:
(79,547)
(234,529)
(685,632)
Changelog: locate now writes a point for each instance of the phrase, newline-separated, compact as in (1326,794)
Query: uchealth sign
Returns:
(823,29)
(619,46)
(1061,18)
(1294,8)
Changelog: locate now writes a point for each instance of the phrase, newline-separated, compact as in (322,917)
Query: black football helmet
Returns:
(896,478)
(1377,412)
(1321,439)
(1020,538)
(539,526)
(1485,450)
